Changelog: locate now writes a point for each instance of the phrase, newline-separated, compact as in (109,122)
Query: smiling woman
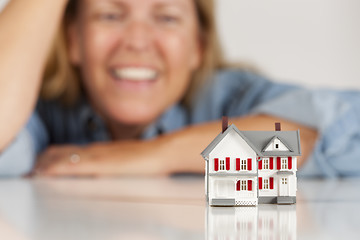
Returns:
(120,44)
(134,87)
(131,54)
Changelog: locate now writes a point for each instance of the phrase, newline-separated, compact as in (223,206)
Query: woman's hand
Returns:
(105,159)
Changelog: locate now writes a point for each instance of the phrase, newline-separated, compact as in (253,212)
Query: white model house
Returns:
(251,167)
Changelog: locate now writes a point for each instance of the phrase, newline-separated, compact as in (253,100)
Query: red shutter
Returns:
(228,163)
(249,164)
(249,185)
(271,183)
(216,164)
(271,163)
(290,162)
(260,182)
(260,164)
(238,186)
(278,163)
(237,164)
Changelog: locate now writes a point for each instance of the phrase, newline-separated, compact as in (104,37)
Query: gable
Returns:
(232,145)
(235,131)
(276,145)
(262,140)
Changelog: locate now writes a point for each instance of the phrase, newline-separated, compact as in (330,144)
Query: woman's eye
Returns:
(168,19)
(110,16)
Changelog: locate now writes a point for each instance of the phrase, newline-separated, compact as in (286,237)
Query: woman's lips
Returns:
(134,78)
(135,74)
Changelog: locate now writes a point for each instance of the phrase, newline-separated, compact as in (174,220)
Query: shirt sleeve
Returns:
(234,93)
(336,116)
(19,157)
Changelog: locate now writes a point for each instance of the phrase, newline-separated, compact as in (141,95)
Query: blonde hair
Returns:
(61,80)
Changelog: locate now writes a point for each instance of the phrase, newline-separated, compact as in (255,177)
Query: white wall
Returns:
(312,42)
(2,3)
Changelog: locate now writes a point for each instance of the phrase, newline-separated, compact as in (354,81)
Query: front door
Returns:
(284,186)
(224,188)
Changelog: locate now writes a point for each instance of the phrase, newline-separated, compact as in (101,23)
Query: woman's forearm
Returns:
(176,152)
(181,150)
(27,29)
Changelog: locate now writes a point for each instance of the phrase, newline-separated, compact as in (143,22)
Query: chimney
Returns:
(224,123)
(277,126)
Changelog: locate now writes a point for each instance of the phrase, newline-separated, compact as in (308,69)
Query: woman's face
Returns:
(136,56)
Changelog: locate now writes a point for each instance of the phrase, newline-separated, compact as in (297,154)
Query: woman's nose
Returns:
(138,36)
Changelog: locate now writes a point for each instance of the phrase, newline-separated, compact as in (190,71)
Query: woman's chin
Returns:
(133,116)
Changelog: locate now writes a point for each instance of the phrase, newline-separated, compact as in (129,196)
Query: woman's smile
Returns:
(134,78)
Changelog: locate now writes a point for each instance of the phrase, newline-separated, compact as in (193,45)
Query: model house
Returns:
(251,167)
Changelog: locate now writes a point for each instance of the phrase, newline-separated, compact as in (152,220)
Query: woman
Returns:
(123,91)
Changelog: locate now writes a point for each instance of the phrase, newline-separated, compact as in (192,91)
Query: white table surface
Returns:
(170,208)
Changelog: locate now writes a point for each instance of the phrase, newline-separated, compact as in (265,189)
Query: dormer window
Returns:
(276,144)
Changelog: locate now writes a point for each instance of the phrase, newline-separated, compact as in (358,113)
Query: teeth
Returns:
(136,74)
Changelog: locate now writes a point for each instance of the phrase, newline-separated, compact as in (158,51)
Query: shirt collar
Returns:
(94,125)
(174,118)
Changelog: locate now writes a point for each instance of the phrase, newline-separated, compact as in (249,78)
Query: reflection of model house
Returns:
(262,222)
(247,167)
(276,222)
(231,223)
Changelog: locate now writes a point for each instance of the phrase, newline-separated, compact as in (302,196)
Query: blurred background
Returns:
(309,42)
(312,42)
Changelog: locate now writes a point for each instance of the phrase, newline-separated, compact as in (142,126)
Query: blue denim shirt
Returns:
(335,114)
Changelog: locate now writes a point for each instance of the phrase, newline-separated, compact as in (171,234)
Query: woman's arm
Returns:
(27,29)
(195,139)
(172,153)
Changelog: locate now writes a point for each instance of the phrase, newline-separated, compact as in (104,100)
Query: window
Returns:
(243,164)
(266,184)
(283,180)
(222,164)
(266,163)
(284,163)
(243,184)
(276,144)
